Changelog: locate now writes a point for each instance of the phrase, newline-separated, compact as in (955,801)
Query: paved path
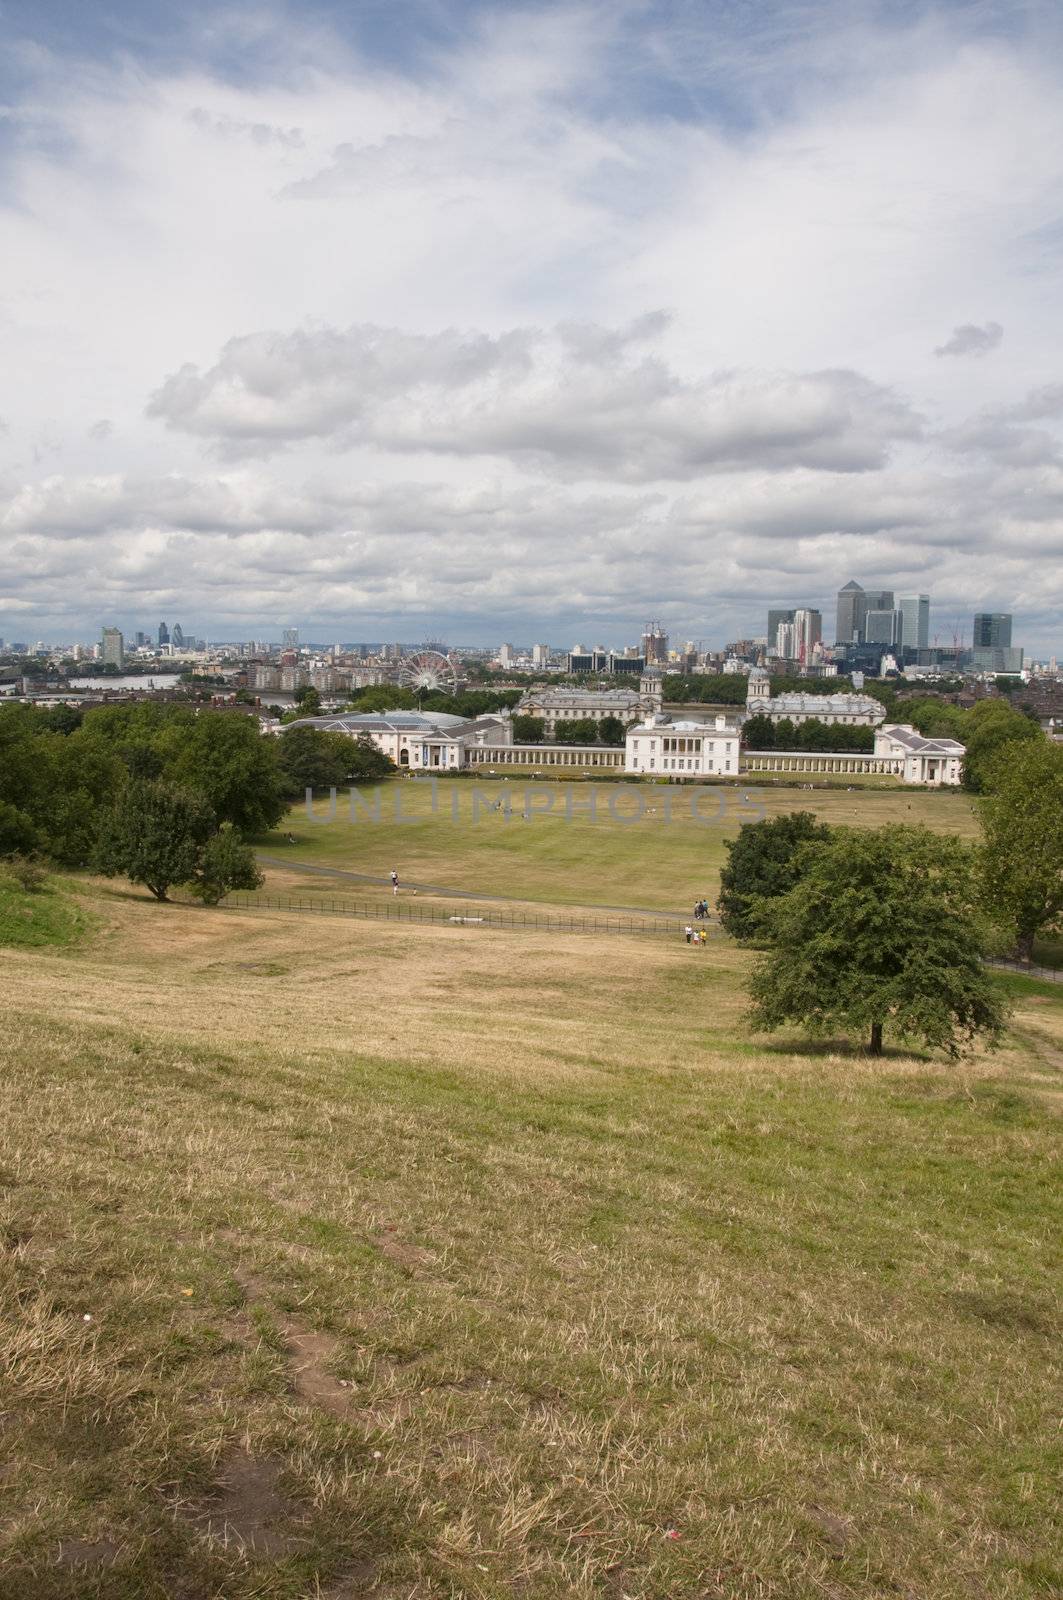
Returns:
(544,906)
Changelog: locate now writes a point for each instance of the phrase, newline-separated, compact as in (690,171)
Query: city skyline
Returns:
(541,320)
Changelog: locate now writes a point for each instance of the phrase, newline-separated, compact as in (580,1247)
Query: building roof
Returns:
(566,698)
(824,704)
(917,744)
(663,724)
(434,724)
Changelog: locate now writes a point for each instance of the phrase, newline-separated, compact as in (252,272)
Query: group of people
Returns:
(695,935)
(701,910)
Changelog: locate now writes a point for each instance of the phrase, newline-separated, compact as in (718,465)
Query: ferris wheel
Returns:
(429,671)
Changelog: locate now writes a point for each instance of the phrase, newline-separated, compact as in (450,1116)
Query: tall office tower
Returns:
(654,643)
(852,611)
(882,627)
(112,648)
(808,631)
(786,641)
(992,630)
(774,620)
(291,638)
(540,655)
(177,637)
(879,599)
(164,634)
(915,621)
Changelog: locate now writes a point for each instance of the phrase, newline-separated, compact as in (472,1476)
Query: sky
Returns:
(454,319)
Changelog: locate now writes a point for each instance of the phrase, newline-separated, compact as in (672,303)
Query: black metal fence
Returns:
(1029,969)
(460,914)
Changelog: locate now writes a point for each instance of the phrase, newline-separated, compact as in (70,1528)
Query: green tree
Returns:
(383,697)
(763,862)
(308,701)
(225,863)
(529,730)
(882,931)
(759,733)
(581,730)
(155,834)
(234,766)
(1022,857)
(313,758)
(612,731)
(18,836)
(991,725)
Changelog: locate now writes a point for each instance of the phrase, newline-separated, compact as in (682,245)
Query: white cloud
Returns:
(470,404)
(581,402)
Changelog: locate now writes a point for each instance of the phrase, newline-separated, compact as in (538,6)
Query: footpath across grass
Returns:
(424,1263)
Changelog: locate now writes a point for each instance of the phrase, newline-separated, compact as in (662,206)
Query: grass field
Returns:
(664,859)
(343,1260)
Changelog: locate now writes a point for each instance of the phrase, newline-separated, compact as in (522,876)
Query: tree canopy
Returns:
(882,932)
(763,863)
(991,725)
(1022,857)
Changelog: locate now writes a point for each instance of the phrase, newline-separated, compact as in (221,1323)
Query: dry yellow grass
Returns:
(438,1262)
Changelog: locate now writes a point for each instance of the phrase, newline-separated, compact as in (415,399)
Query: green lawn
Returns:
(663,858)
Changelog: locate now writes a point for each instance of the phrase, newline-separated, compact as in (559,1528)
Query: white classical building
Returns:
(851,710)
(931,761)
(683,749)
(420,741)
(561,704)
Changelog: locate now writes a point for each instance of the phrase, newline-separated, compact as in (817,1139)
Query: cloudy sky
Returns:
(398,318)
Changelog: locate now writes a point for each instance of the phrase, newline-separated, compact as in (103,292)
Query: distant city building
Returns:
(808,631)
(112,648)
(992,630)
(654,644)
(882,627)
(540,655)
(177,638)
(775,620)
(291,638)
(850,710)
(505,655)
(164,634)
(998,658)
(559,705)
(851,612)
(915,620)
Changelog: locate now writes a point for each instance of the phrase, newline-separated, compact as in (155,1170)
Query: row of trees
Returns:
(889,927)
(760,733)
(84,787)
(579,730)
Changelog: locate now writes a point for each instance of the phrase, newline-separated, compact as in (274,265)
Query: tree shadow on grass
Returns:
(850,1049)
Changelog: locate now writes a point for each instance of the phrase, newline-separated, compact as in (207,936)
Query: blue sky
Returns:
(389,320)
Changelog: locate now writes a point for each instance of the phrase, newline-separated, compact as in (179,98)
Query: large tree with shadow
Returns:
(881,934)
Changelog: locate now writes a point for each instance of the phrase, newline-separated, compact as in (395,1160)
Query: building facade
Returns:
(112,648)
(850,710)
(683,749)
(560,705)
(425,741)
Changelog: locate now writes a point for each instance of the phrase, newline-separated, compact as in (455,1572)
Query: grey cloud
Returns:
(101,429)
(259,133)
(581,401)
(971,340)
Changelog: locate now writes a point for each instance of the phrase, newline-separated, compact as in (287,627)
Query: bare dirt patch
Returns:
(308,1354)
(87,1553)
(248,1508)
(410,1256)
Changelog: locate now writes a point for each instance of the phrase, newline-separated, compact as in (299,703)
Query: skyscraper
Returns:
(882,626)
(177,638)
(808,631)
(992,630)
(774,619)
(164,634)
(852,611)
(112,648)
(879,599)
(915,621)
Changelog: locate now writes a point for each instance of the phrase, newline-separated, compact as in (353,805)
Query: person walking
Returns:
(688,930)
(394,881)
